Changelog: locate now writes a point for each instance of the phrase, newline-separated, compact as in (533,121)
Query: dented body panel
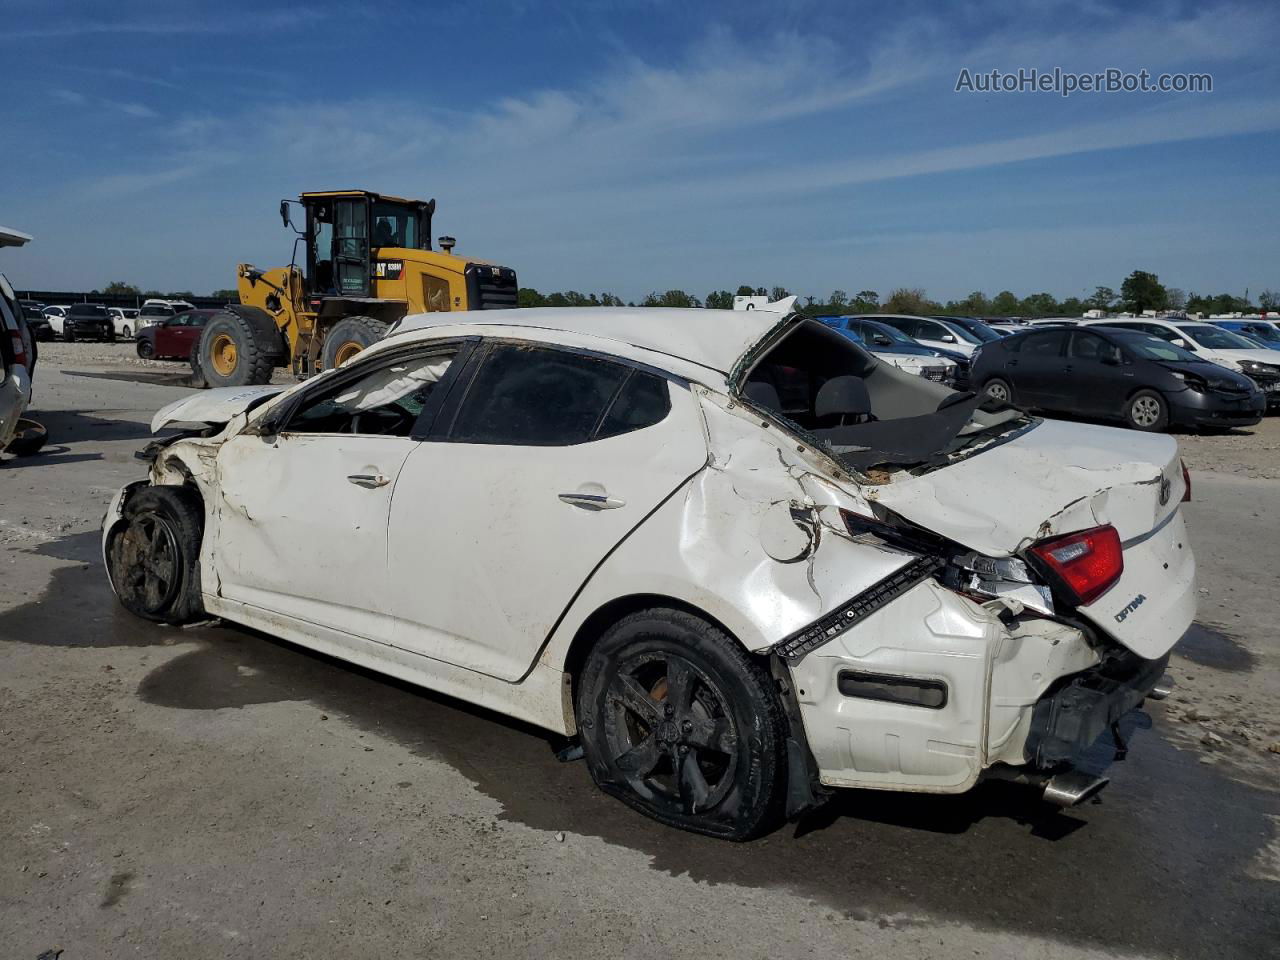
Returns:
(478,570)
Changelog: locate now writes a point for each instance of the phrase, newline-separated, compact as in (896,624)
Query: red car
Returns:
(172,339)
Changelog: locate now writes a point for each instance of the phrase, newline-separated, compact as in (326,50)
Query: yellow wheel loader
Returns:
(368,262)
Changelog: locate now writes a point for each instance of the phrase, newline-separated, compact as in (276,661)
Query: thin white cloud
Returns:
(72,26)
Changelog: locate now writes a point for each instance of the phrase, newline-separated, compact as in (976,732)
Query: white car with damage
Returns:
(746,564)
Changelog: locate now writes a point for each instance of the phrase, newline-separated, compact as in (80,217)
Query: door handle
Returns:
(369,480)
(592,501)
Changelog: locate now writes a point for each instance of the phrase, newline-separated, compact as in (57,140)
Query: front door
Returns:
(302,518)
(554,457)
(351,247)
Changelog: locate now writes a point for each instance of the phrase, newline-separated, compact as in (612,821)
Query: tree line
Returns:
(1140,291)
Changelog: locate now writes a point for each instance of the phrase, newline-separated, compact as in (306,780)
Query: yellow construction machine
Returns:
(368,262)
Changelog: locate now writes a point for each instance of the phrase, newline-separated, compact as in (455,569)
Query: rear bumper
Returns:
(1068,721)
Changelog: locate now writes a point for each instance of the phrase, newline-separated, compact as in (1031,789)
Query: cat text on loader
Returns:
(369,262)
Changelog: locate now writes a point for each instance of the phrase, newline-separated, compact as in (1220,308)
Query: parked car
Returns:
(17,352)
(153,313)
(710,551)
(56,315)
(87,321)
(932,333)
(173,338)
(1215,345)
(1262,333)
(1113,372)
(37,322)
(897,348)
(124,320)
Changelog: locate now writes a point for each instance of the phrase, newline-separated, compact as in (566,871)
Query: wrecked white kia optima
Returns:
(737,555)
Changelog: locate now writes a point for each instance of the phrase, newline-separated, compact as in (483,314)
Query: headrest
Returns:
(846,395)
(763,395)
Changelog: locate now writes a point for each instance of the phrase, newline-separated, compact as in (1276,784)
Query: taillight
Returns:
(19,347)
(1186,482)
(1086,564)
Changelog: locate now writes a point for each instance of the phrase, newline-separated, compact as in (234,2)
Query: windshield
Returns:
(975,327)
(89,309)
(1147,347)
(960,331)
(156,312)
(395,225)
(1262,332)
(1215,337)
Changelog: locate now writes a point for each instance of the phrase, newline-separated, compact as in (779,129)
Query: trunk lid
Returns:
(1058,478)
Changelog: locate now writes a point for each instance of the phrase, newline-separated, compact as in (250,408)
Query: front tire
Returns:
(153,558)
(348,337)
(146,349)
(679,722)
(1147,410)
(68,334)
(230,355)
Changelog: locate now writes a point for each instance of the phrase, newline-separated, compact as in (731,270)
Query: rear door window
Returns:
(1047,344)
(541,397)
(643,401)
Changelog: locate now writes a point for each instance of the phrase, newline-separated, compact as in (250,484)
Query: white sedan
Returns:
(743,560)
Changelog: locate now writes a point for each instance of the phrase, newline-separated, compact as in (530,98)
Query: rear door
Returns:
(550,459)
(1036,369)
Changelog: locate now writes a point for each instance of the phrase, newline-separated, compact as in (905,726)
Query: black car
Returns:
(1105,372)
(37,322)
(87,321)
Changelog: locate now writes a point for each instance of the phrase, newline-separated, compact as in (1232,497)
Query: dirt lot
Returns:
(214,793)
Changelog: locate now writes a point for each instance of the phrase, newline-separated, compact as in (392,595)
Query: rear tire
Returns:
(153,557)
(126,332)
(1146,410)
(230,355)
(998,389)
(68,334)
(348,337)
(679,722)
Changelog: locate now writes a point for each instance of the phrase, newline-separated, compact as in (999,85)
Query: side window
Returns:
(910,327)
(1086,346)
(536,397)
(385,402)
(1042,345)
(643,401)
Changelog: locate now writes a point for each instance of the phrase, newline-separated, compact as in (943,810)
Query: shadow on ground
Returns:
(1157,866)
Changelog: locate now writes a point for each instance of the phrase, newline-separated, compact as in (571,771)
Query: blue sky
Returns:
(637,145)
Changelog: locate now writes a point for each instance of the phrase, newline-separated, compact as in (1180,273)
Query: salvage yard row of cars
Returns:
(93,321)
(745,564)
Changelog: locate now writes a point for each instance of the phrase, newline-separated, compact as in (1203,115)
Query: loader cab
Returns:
(345,229)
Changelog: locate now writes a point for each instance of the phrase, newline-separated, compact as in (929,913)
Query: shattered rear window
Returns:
(866,413)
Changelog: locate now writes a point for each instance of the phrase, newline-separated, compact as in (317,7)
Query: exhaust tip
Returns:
(1164,686)
(1072,788)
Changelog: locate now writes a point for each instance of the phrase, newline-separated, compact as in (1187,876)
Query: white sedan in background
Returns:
(746,564)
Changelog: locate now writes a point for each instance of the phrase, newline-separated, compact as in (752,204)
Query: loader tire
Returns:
(348,337)
(230,355)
